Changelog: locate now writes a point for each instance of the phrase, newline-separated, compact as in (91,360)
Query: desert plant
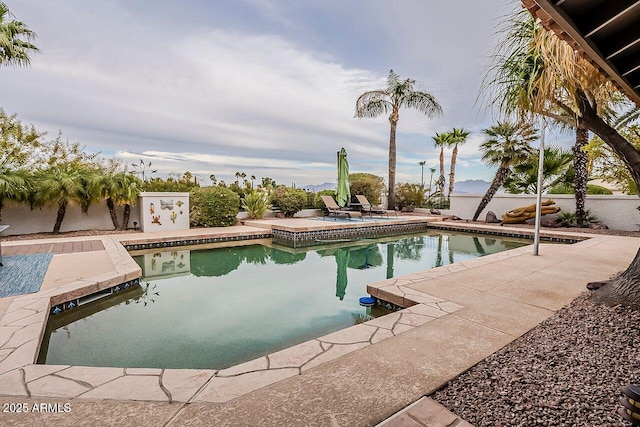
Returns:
(289,200)
(371,186)
(256,204)
(408,194)
(317,201)
(213,207)
(570,219)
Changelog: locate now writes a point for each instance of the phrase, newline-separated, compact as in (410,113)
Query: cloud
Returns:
(215,98)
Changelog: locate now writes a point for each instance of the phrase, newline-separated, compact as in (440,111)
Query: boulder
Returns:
(434,211)
(598,226)
(492,218)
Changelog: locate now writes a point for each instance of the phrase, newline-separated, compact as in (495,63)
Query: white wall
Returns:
(23,220)
(163,211)
(617,212)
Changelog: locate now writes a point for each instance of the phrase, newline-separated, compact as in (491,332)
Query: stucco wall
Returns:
(617,212)
(23,220)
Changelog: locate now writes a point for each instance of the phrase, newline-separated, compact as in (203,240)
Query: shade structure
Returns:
(343,194)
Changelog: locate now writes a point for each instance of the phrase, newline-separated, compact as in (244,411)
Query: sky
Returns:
(263,87)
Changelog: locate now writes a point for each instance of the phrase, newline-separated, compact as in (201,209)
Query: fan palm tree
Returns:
(397,94)
(15,39)
(441,140)
(556,167)
(508,144)
(458,137)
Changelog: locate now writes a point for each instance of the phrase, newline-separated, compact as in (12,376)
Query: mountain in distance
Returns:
(471,186)
(316,188)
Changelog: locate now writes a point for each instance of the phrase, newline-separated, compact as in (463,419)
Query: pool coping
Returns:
(22,328)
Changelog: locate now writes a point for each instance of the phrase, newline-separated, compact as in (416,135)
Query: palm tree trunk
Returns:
(452,174)
(580,172)
(391,201)
(498,180)
(62,209)
(125,216)
(441,178)
(625,289)
(112,213)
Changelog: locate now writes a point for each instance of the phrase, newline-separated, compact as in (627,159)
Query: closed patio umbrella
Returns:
(343,194)
(342,261)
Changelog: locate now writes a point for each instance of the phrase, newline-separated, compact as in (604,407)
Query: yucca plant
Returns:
(256,204)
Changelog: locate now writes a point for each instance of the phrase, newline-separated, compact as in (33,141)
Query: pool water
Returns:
(216,308)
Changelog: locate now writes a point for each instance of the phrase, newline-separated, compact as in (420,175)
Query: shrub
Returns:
(408,194)
(568,219)
(597,189)
(289,200)
(256,204)
(568,189)
(371,186)
(213,207)
(319,204)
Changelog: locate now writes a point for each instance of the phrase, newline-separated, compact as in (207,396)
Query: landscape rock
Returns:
(567,371)
(434,212)
(598,226)
(492,218)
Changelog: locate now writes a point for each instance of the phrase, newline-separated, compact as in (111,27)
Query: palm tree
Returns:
(397,94)
(422,163)
(432,170)
(507,144)
(537,73)
(121,188)
(15,39)
(14,184)
(458,137)
(441,140)
(556,169)
(59,185)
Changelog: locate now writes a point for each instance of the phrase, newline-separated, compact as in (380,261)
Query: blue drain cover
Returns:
(367,301)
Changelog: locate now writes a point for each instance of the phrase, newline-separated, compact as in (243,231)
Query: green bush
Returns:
(256,204)
(569,219)
(568,189)
(317,201)
(597,189)
(213,207)
(371,186)
(408,194)
(288,200)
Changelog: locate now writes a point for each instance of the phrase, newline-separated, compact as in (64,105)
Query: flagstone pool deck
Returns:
(376,372)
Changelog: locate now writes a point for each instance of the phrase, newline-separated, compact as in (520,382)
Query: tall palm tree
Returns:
(441,140)
(15,39)
(541,74)
(458,137)
(397,94)
(507,144)
(432,170)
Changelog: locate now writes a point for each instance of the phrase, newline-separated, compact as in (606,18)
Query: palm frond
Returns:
(423,102)
(373,104)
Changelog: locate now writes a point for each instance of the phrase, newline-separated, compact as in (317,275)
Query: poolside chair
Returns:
(335,210)
(368,208)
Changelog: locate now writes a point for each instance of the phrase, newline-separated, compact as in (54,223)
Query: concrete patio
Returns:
(362,375)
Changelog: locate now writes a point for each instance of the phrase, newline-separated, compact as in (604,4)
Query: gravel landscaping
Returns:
(565,372)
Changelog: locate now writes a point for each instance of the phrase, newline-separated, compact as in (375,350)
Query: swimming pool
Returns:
(216,308)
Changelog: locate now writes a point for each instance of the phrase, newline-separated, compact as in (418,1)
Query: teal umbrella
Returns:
(343,194)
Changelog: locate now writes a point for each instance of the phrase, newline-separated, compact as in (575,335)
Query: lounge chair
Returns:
(368,208)
(335,210)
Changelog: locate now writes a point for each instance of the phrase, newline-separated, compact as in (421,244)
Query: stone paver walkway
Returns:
(56,248)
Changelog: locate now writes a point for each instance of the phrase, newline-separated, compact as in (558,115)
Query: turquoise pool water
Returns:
(216,308)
